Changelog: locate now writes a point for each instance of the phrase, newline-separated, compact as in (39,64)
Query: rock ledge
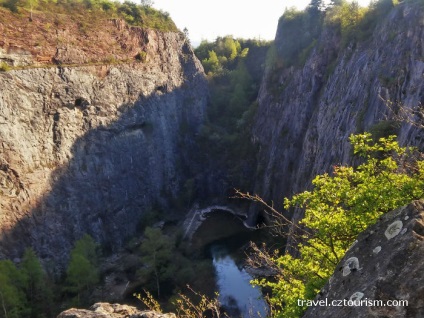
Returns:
(106,310)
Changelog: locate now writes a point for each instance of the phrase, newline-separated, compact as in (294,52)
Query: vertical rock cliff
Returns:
(306,113)
(88,145)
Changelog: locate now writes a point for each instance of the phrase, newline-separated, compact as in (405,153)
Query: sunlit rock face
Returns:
(90,148)
(381,268)
(106,310)
(307,113)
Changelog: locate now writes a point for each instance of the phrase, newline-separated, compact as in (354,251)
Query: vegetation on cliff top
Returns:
(75,33)
(299,30)
(86,10)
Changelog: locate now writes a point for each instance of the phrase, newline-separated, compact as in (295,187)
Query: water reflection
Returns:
(236,294)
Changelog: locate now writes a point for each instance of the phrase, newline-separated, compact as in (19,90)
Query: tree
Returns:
(86,247)
(212,64)
(317,6)
(82,273)
(31,4)
(12,5)
(156,256)
(36,285)
(12,299)
(340,206)
(186,34)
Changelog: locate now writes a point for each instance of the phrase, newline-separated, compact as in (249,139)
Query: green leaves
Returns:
(12,298)
(24,290)
(37,287)
(340,206)
(157,252)
(82,273)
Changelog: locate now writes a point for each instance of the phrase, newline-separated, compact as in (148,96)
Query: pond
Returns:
(223,237)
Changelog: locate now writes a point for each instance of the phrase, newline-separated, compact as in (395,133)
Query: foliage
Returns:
(223,53)
(357,23)
(37,288)
(4,67)
(203,307)
(149,301)
(156,252)
(142,14)
(13,303)
(347,16)
(384,128)
(82,273)
(339,207)
(25,291)
(141,56)
(186,307)
(297,32)
(166,267)
(235,69)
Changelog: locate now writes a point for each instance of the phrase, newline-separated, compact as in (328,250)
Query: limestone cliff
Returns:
(88,144)
(307,113)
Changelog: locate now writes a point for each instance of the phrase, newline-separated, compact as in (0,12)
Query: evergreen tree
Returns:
(156,252)
(317,5)
(12,299)
(82,273)
(36,286)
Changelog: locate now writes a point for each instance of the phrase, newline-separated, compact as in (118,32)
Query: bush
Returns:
(141,56)
(4,67)
(339,207)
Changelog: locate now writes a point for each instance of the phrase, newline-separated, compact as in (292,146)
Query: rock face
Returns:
(306,115)
(90,148)
(106,310)
(385,264)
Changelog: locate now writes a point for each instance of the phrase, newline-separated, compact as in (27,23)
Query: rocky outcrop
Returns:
(384,265)
(106,310)
(88,149)
(73,38)
(307,113)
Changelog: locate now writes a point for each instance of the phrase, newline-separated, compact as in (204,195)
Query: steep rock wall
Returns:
(306,116)
(89,148)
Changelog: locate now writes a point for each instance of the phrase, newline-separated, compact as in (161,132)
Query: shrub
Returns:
(141,56)
(339,207)
(4,67)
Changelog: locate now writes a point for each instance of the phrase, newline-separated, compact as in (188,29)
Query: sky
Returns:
(206,20)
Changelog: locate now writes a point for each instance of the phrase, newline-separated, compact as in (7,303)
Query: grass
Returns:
(95,35)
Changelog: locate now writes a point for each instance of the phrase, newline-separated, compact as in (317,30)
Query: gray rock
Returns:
(106,310)
(392,274)
(307,114)
(89,149)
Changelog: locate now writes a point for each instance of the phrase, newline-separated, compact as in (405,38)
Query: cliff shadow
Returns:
(116,172)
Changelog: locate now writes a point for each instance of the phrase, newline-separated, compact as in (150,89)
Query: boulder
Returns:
(381,275)
(106,310)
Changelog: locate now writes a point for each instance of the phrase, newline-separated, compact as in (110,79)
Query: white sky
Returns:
(240,18)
